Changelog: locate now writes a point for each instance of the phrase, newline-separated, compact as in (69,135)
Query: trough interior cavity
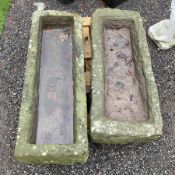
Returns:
(125,93)
(55,89)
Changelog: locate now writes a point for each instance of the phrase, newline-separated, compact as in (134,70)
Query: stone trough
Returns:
(125,103)
(53,118)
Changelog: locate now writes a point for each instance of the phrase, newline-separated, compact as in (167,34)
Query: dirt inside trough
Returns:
(55,105)
(123,88)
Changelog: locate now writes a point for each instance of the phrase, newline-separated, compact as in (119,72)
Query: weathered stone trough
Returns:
(53,118)
(125,102)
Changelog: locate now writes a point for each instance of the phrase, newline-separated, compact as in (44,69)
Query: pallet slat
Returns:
(87,42)
(87,21)
(87,51)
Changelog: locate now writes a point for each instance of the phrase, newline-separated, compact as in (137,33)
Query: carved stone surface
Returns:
(26,150)
(106,127)
(123,88)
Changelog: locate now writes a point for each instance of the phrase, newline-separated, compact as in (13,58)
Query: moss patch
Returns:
(4,6)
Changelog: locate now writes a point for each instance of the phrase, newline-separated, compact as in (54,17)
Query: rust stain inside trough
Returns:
(125,94)
(55,103)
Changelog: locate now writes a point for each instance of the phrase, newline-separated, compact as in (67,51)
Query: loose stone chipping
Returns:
(112,130)
(52,153)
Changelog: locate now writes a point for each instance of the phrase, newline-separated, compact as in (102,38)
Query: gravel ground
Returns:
(154,158)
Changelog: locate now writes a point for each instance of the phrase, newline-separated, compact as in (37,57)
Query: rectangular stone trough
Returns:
(125,103)
(53,118)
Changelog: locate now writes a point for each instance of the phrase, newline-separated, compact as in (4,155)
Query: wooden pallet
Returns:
(87,51)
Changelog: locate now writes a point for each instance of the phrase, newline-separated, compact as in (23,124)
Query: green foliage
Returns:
(4,6)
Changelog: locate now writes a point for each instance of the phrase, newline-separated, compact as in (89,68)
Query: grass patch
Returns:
(4,6)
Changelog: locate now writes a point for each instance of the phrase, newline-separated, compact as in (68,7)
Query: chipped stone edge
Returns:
(52,154)
(104,130)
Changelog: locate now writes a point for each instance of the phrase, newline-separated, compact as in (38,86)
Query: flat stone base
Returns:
(123,97)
